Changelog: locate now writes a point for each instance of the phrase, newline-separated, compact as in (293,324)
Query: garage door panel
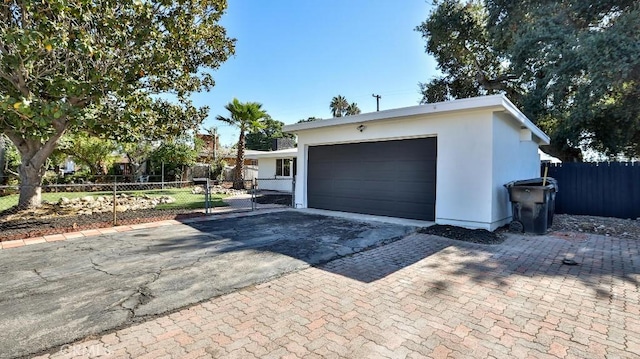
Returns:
(411,169)
(391,178)
(410,192)
(406,191)
(375,207)
(376,170)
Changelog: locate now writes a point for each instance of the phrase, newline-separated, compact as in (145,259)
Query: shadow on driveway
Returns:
(55,293)
(610,267)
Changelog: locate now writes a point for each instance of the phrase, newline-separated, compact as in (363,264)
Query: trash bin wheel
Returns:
(516,226)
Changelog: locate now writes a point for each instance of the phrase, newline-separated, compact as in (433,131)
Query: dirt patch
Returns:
(564,225)
(34,226)
(464,234)
(607,226)
(283,199)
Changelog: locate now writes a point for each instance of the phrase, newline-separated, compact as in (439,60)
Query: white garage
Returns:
(445,162)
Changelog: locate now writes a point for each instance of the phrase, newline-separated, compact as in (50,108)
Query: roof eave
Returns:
(495,102)
(520,117)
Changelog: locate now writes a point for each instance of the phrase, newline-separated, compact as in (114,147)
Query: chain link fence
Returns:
(82,206)
(273,192)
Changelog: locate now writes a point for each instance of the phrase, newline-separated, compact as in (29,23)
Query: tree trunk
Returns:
(34,154)
(2,158)
(30,184)
(239,175)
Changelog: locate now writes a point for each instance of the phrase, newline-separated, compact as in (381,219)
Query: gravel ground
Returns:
(615,227)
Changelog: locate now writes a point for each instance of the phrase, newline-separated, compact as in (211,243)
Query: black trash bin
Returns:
(533,203)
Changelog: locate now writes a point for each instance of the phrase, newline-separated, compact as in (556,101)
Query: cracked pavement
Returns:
(55,293)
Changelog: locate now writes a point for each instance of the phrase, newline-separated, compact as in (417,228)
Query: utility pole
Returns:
(213,132)
(215,140)
(378,97)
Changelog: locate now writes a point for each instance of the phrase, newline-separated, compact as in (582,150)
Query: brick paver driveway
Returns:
(422,296)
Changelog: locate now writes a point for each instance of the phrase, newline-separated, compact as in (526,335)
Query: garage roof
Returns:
(493,102)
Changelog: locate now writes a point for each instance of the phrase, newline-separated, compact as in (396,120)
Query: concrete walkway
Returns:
(422,296)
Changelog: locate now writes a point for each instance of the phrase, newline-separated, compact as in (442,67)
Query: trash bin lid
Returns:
(550,181)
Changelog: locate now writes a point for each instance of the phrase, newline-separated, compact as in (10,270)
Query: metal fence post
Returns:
(254,205)
(162,175)
(293,192)
(207,196)
(115,185)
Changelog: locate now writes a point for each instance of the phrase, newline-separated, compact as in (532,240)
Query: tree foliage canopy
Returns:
(573,67)
(97,67)
(262,138)
(341,107)
(175,152)
(248,117)
(174,155)
(97,154)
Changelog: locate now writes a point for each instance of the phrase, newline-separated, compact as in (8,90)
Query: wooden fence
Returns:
(607,189)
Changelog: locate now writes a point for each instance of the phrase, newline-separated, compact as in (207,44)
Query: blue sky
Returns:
(294,56)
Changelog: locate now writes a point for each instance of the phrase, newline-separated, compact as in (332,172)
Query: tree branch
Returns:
(41,156)
(491,84)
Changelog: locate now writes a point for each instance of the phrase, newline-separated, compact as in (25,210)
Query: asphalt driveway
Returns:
(54,293)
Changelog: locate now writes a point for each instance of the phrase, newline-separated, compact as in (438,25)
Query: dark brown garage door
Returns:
(387,178)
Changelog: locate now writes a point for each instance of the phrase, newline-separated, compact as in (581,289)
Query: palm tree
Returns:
(247,117)
(352,109)
(338,106)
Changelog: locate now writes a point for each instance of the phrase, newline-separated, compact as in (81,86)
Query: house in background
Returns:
(69,166)
(547,158)
(276,169)
(445,162)
(210,147)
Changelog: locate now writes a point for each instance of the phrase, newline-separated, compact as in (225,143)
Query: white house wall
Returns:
(464,159)
(266,168)
(267,178)
(515,157)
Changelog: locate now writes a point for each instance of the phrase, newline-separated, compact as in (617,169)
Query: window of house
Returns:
(283,167)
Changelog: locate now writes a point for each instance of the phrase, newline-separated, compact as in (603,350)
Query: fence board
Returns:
(608,189)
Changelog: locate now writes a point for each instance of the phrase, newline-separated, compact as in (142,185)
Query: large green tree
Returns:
(97,154)
(248,117)
(97,67)
(262,138)
(338,106)
(138,153)
(175,155)
(573,67)
(352,109)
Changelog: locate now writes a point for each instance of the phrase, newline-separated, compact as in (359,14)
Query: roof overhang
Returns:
(289,152)
(494,103)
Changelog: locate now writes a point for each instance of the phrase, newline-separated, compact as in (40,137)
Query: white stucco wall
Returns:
(483,143)
(515,157)
(465,154)
(267,178)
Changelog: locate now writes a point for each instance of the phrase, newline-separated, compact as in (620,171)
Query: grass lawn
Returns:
(183,196)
